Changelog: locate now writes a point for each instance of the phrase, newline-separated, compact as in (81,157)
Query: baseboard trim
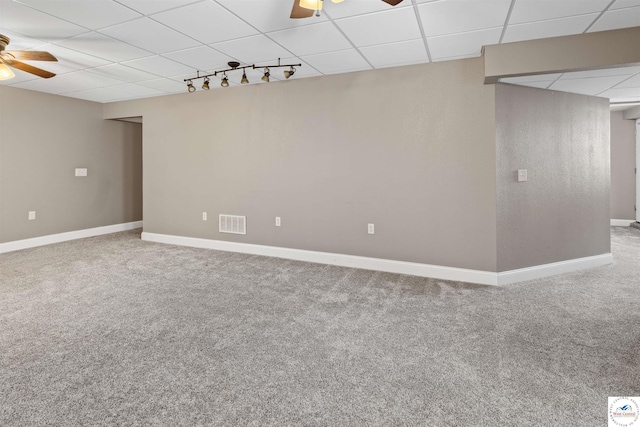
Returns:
(64,237)
(390,266)
(553,269)
(622,222)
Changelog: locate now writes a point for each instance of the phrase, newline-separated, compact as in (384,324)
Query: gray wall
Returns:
(43,138)
(623,164)
(411,149)
(562,211)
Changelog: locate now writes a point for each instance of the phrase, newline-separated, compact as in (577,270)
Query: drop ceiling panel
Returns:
(325,36)
(619,4)
(620,18)
(550,28)
(150,35)
(619,95)
(591,86)
(620,71)
(33,23)
(457,16)
(200,58)
(630,82)
(74,59)
(540,85)
(207,22)
(252,50)
(527,79)
(78,80)
(104,47)
(147,7)
(267,16)
(92,14)
(542,10)
(393,54)
(305,70)
(159,66)
(20,77)
(122,72)
(462,44)
(391,26)
(20,42)
(337,62)
(165,85)
(360,7)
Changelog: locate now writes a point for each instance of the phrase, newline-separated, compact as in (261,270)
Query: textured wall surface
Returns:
(43,138)
(562,211)
(623,164)
(410,149)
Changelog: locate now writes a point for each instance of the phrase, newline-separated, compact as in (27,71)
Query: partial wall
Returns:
(623,165)
(43,139)
(409,149)
(562,211)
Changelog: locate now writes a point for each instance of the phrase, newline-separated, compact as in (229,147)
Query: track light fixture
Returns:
(233,66)
(289,73)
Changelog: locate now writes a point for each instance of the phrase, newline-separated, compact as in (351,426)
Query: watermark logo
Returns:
(623,411)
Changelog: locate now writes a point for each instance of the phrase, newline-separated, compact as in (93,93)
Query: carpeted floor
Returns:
(116,331)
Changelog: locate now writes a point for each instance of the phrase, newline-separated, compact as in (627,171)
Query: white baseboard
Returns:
(63,237)
(390,266)
(546,270)
(622,222)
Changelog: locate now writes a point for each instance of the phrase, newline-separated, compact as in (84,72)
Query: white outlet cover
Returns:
(278,221)
(522,175)
(32,215)
(81,171)
(371,229)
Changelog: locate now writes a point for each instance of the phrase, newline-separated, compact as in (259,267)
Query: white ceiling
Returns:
(112,50)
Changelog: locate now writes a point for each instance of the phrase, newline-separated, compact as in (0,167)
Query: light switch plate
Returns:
(32,215)
(522,175)
(81,171)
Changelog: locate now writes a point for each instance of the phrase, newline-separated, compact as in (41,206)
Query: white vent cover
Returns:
(233,224)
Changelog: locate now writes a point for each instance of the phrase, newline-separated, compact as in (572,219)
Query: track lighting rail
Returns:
(235,66)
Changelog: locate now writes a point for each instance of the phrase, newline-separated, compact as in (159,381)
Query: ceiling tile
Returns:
(394,54)
(105,47)
(200,58)
(541,10)
(165,85)
(305,70)
(147,7)
(462,44)
(72,58)
(20,77)
(620,18)
(122,72)
(632,82)
(150,35)
(78,80)
(540,85)
(92,14)
(619,71)
(267,16)
(359,7)
(20,42)
(550,28)
(160,66)
(381,27)
(254,49)
(618,95)
(337,62)
(591,86)
(456,16)
(620,4)
(311,39)
(207,22)
(32,23)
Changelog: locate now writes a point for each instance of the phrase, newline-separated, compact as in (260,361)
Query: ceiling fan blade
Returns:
(29,68)
(392,2)
(30,55)
(298,12)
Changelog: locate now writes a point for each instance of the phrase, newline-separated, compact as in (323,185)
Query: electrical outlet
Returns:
(277,221)
(204,216)
(371,229)
(81,171)
(32,215)
(522,175)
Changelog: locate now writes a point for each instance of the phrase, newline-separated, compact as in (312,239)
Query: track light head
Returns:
(205,85)
(289,73)
(265,78)
(244,80)
(225,81)
(190,86)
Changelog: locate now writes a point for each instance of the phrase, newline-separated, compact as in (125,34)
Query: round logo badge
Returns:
(623,411)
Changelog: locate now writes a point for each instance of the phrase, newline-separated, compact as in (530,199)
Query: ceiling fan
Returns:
(11,58)
(306,8)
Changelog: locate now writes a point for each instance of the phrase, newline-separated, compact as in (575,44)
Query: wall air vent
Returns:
(233,224)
